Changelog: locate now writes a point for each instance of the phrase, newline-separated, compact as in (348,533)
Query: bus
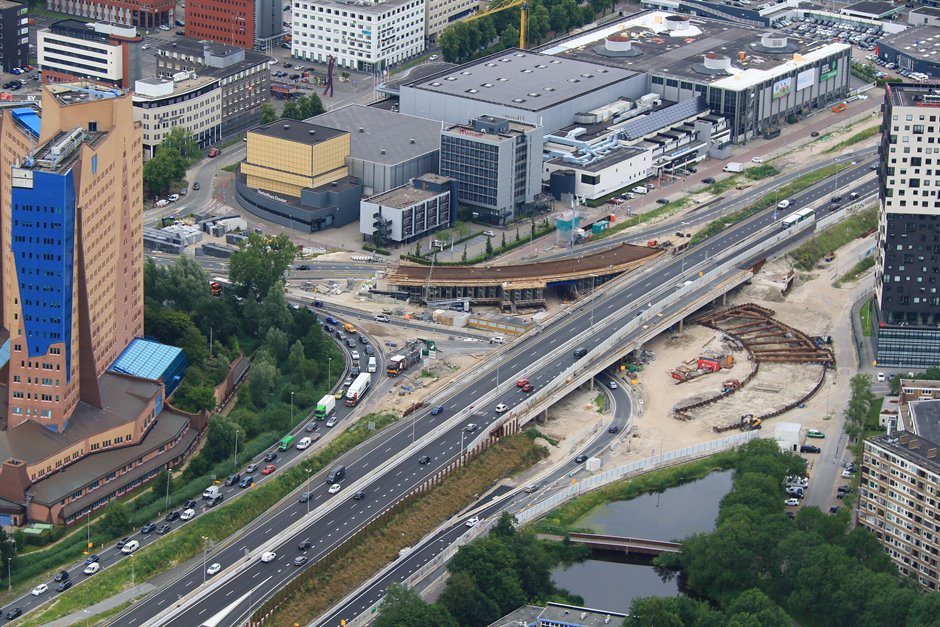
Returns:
(799,216)
(286,442)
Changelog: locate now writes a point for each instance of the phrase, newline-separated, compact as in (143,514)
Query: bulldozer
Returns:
(750,422)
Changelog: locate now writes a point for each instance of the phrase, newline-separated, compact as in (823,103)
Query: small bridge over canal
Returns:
(619,544)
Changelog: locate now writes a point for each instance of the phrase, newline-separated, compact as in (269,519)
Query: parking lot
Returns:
(859,35)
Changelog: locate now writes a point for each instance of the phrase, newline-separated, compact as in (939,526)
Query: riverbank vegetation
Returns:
(813,570)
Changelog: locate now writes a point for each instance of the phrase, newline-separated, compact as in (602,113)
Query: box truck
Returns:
(734,167)
(358,389)
(325,407)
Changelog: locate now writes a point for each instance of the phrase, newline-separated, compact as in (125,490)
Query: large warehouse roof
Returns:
(524,80)
(920,42)
(672,45)
(372,130)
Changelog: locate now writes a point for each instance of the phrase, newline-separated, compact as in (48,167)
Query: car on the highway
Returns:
(213,569)
(91,559)
(528,387)
(359,495)
(270,457)
(792,502)
(163,529)
(580,459)
(303,546)
(14,613)
(303,266)
(381,318)
(332,421)
(304,497)
(252,468)
(437,409)
(148,528)
(91,569)
(196,186)
(335,488)
(501,408)
(612,385)
(187,514)
(424,459)
(300,560)
(246,481)
(521,383)
(130,547)
(529,489)
(64,585)
(40,589)
(757,159)
(311,427)
(473,522)
(662,201)
(470,428)
(340,393)
(369,350)
(268,556)
(174,515)
(269,469)
(613,429)
(213,152)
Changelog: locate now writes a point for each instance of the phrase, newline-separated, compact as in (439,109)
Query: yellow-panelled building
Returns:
(287,156)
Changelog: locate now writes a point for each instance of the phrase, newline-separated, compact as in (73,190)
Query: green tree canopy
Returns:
(403,607)
(181,140)
(266,113)
(303,107)
(164,169)
(259,263)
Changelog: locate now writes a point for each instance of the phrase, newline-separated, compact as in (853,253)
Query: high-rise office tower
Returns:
(908,251)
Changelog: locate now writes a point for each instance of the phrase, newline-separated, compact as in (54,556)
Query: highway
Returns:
(535,358)
(486,508)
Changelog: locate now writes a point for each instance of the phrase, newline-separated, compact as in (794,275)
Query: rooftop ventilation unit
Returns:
(61,148)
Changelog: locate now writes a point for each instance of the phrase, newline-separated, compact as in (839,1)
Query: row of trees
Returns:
(489,578)
(174,155)
(758,567)
(463,41)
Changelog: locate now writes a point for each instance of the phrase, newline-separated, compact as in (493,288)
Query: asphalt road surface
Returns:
(532,358)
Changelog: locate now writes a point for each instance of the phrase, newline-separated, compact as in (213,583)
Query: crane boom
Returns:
(523,16)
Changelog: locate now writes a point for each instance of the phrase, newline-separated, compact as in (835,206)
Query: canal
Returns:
(610,582)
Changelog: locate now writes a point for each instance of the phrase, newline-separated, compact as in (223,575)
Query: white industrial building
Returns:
(365,37)
(409,212)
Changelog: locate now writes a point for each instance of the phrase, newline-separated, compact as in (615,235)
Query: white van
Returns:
(640,190)
(381,318)
(211,492)
(783,204)
(130,547)
(372,364)
(303,443)
(497,339)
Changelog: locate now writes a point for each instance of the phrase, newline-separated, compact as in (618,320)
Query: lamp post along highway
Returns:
(205,550)
(309,479)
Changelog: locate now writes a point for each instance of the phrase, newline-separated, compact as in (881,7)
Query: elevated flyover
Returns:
(523,285)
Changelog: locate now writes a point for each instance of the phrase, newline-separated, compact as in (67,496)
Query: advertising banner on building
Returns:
(782,87)
(828,70)
(805,79)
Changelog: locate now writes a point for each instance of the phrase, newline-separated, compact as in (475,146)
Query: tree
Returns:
(160,483)
(503,245)
(303,107)
(417,249)
(116,520)
(262,381)
(491,564)
(489,247)
(176,329)
(165,168)
(403,607)
(275,313)
(259,263)
(220,441)
(753,607)
(181,140)
(466,603)
(194,398)
(266,113)
(463,256)
(215,318)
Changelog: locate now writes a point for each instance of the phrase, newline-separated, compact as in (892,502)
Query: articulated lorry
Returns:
(358,389)
(325,407)
(399,363)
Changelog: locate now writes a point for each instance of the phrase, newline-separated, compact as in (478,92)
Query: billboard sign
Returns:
(805,79)
(782,87)
(828,70)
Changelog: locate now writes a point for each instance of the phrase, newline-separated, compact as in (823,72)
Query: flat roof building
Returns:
(403,214)
(146,14)
(386,149)
(188,101)
(14,30)
(924,16)
(106,54)
(916,49)
(871,10)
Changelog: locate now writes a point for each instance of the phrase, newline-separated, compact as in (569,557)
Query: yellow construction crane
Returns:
(523,16)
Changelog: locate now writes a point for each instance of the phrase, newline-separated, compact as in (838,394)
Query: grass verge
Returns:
(865,315)
(834,237)
(507,457)
(857,270)
(600,401)
(634,220)
(216,525)
(761,172)
(561,519)
(768,200)
(534,434)
(232,167)
(860,136)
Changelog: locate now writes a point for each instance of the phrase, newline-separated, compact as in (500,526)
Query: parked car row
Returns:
(862,35)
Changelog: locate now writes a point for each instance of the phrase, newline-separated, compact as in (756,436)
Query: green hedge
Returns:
(374,249)
(834,237)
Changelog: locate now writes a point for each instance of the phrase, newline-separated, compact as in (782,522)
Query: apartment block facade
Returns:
(106,54)
(899,499)
(442,13)
(907,268)
(225,21)
(146,14)
(363,37)
(14,35)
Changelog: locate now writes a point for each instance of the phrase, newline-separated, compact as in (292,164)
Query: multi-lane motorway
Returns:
(535,358)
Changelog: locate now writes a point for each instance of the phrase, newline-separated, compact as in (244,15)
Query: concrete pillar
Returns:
(681,324)
(724,299)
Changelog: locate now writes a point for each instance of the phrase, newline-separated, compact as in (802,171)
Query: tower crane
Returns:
(523,16)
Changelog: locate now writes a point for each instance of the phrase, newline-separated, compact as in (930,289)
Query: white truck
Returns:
(358,389)
(734,166)
(325,407)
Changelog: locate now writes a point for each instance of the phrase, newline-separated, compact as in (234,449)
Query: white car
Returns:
(91,569)
(187,514)
(213,569)
(130,547)
(163,202)
(145,47)
(164,27)
(757,159)
(501,408)
(173,197)
(473,522)
(381,318)
(433,57)
(335,488)
(848,474)
(268,557)
(881,377)
(792,502)
(40,589)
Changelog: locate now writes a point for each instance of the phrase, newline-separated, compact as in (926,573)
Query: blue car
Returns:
(331,320)
(437,409)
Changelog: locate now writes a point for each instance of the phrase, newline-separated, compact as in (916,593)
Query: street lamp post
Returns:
(9,575)
(329,371)
(292,410)
(309,479)
(235,452)
(167,504)
(593,300)
(205,549)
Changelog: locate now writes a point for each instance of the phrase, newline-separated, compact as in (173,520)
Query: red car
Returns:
(268,469)
(213,152)
(521,383)
(528,387)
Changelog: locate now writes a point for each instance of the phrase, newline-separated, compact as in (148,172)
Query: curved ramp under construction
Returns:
(521,285)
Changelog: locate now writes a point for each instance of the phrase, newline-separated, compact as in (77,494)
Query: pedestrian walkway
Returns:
(104,606)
